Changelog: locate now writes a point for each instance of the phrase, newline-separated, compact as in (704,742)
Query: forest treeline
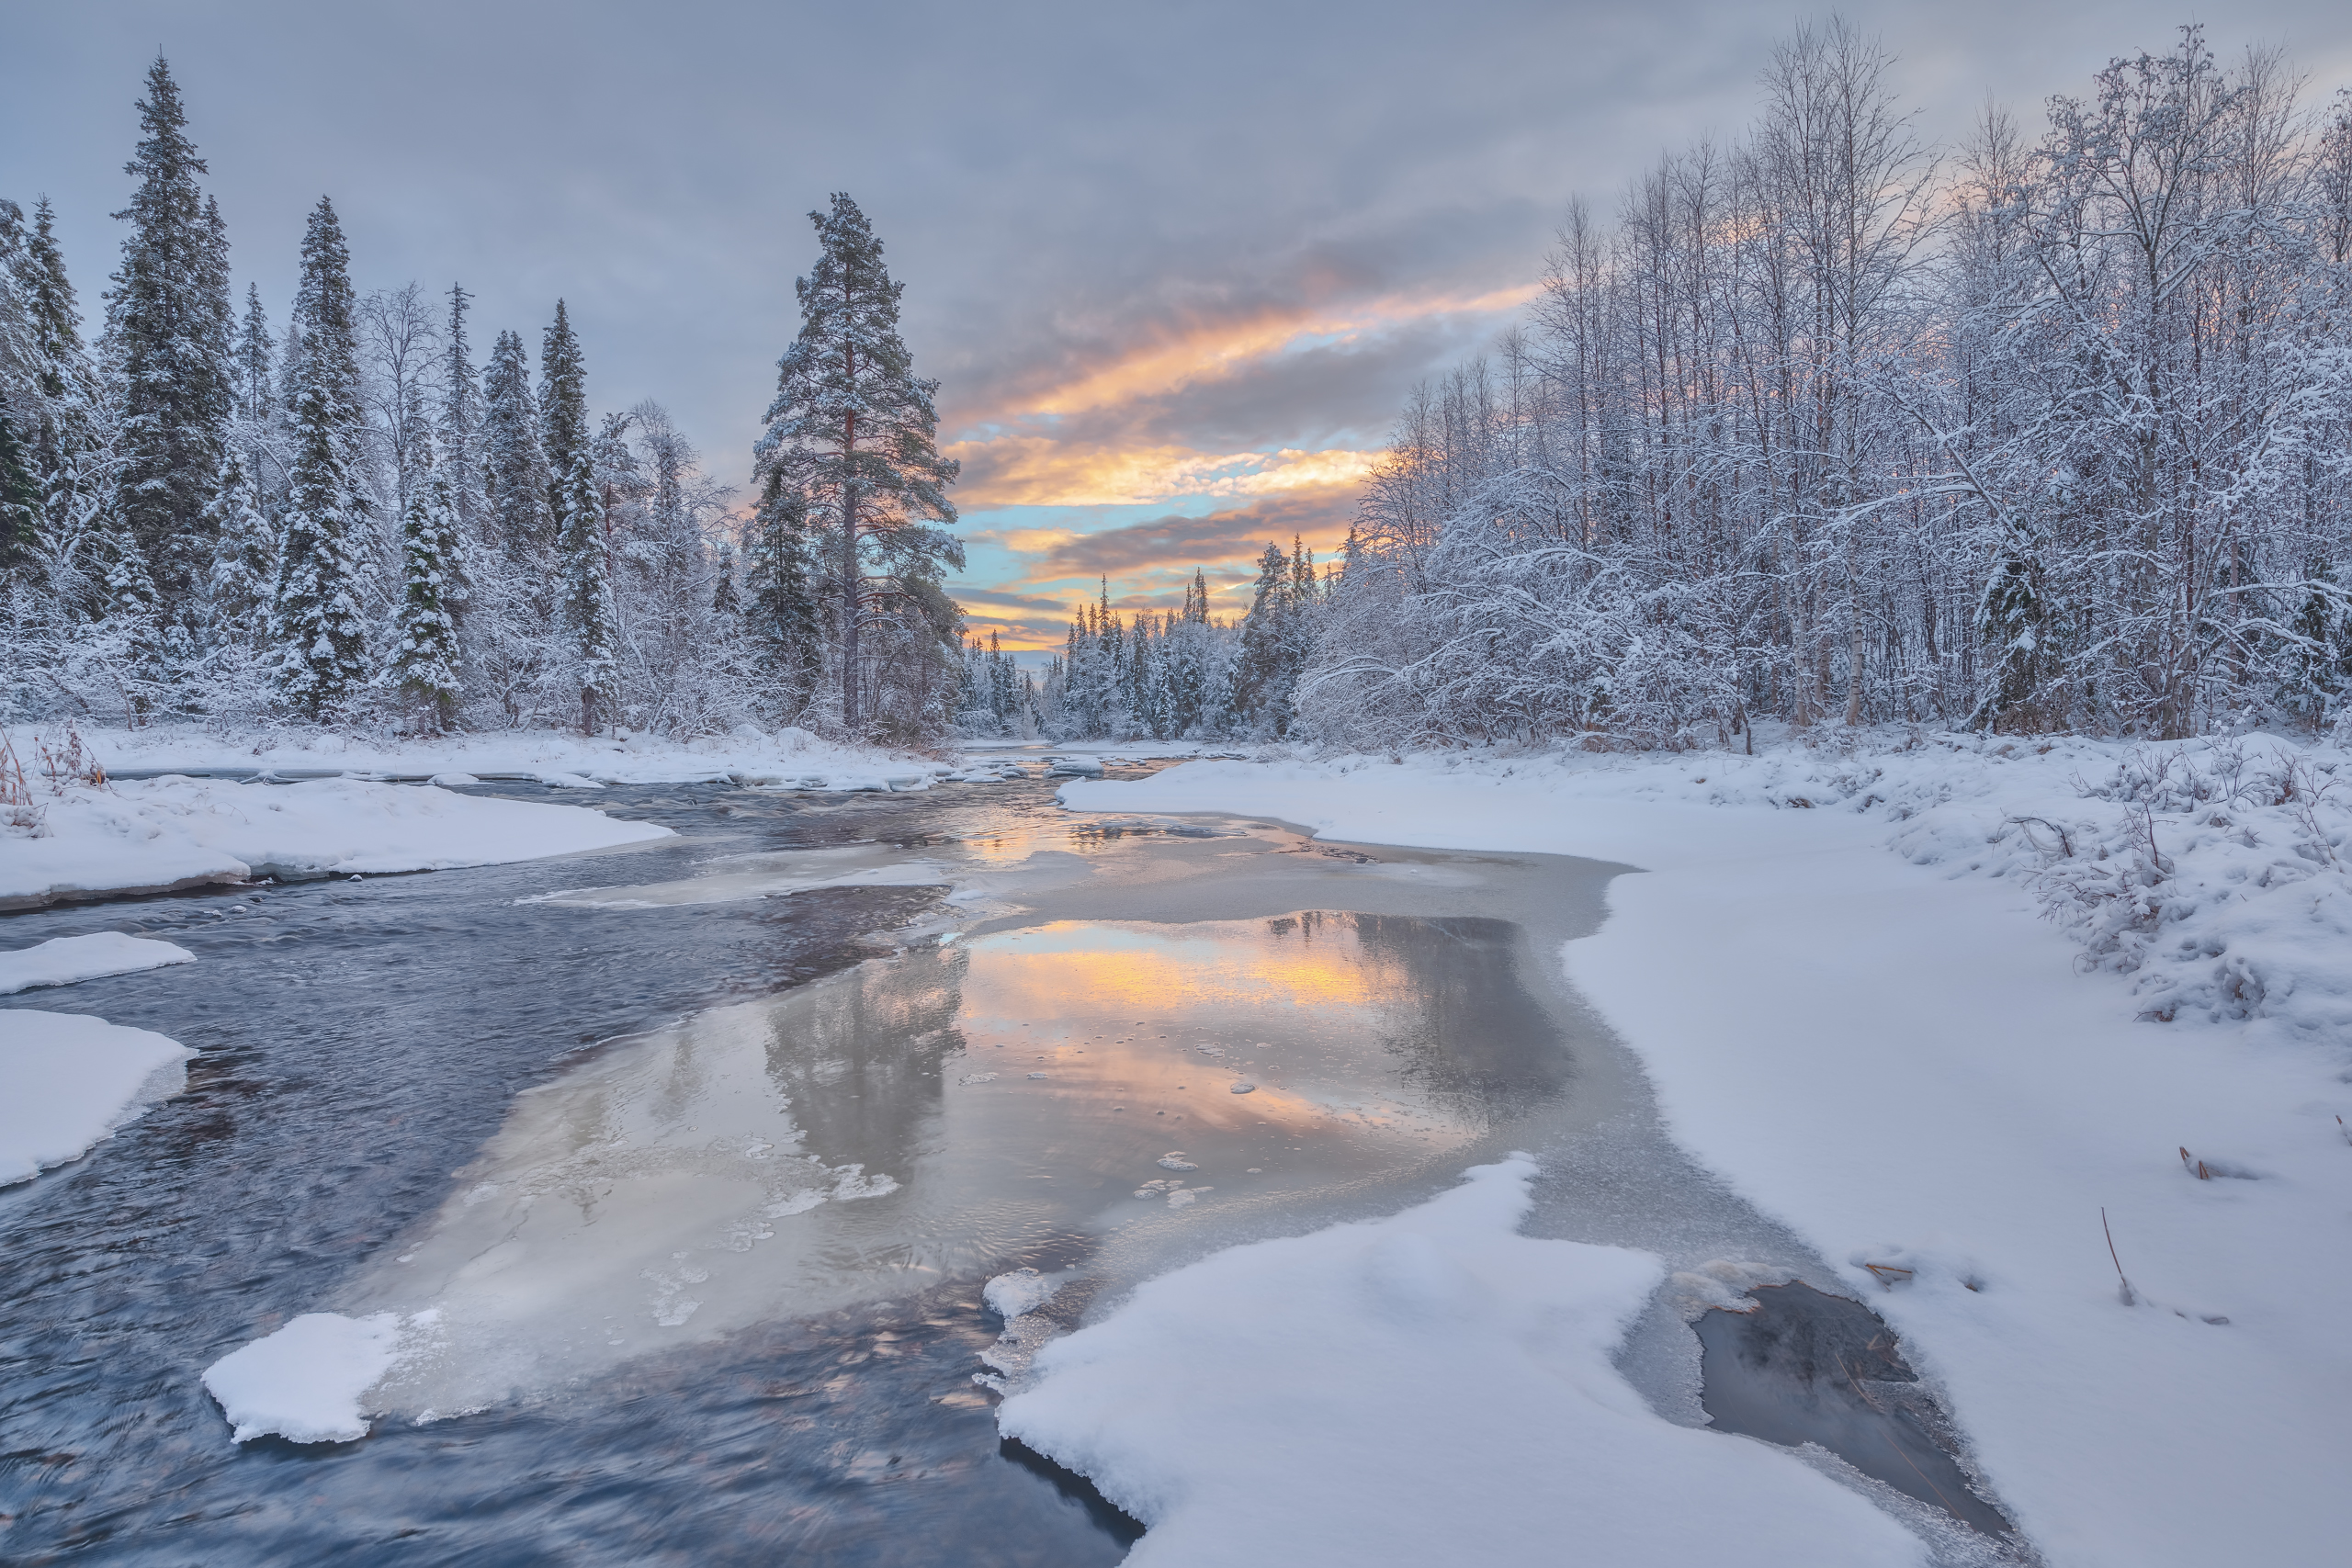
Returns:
(344,518)
(2051,430)
(2048,429)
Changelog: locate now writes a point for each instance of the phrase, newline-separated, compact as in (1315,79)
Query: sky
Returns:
(1175,266)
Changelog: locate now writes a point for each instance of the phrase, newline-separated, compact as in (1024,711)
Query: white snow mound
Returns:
(308,1382)
(1023,1291)
(1424,1389)
(64,960)
(67,1082)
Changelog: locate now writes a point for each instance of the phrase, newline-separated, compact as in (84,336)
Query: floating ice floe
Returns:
(64,959)
(308,1382)
(67,1082)
(1227,1407)
(1022,1291)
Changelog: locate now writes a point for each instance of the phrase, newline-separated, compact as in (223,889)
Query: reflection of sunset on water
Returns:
(1068,968)
(1164,1021)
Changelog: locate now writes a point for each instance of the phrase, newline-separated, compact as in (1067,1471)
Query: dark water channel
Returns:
(697,1156)
(357,1044)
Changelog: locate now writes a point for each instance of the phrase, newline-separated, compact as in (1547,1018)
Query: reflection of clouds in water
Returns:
(786,1156)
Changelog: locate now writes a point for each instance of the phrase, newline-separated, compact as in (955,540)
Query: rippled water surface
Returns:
(702,1152)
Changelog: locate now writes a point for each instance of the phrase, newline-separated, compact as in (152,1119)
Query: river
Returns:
(695,1156)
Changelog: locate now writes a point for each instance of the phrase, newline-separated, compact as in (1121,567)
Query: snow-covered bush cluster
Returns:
(2049,432)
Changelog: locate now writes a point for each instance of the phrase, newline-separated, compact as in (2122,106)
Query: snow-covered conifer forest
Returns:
(2048,429)
(347,518)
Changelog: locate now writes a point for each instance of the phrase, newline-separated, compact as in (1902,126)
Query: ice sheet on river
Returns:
(784,1158)
(1423,1389)
(68,1081)
(68,960)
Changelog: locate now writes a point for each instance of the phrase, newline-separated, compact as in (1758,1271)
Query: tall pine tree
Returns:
(854,431)
(458,430)
(577,506)
(167,350)
(781,619)
(513,468)
(320,633)
(425,658)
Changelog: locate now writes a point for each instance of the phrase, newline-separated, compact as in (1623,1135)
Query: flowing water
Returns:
(685,1166)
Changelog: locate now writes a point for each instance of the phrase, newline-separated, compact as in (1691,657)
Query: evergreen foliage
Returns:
(853,433)
(576,503)
(321,626)
(241,587)
(167,349)
(425,658)
(515,475)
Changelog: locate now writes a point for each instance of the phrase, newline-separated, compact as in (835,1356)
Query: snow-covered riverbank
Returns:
(152,835)
(788,756)
(81,838)
(1894,1055)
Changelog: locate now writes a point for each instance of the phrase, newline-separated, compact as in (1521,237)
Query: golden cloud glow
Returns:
(1037,470)
(1217,350)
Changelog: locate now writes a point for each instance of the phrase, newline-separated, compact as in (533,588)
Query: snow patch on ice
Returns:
(64,959)
(1022,1291)
(1427,1388)
(308,1382)
(68,1081)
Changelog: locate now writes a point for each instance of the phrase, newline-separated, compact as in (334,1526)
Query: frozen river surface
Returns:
(686,1166)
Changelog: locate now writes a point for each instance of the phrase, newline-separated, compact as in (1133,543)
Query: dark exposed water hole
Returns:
(1804,1367)
(1104,1514)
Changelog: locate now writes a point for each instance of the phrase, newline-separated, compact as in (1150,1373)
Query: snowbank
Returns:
(1895,1055)
(62,961)
(308,1382)
(67,1082)
(170,832)
(1430,1388)
(788,756)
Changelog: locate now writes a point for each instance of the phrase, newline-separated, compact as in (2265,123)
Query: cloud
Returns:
(1177,543)
(1036,470)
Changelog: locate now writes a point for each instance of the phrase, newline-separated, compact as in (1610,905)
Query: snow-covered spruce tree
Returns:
(515,475)
(320,627)
(576,503)
(166,350)
(425,663)
(458,432)
(19,498)
(69,431)
(1275,638)
(512,643)
(854,431)
(244,562)
(783,625)
(129,642)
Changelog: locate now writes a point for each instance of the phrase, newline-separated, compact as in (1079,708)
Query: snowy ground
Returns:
(2079,961)
(71,1080)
